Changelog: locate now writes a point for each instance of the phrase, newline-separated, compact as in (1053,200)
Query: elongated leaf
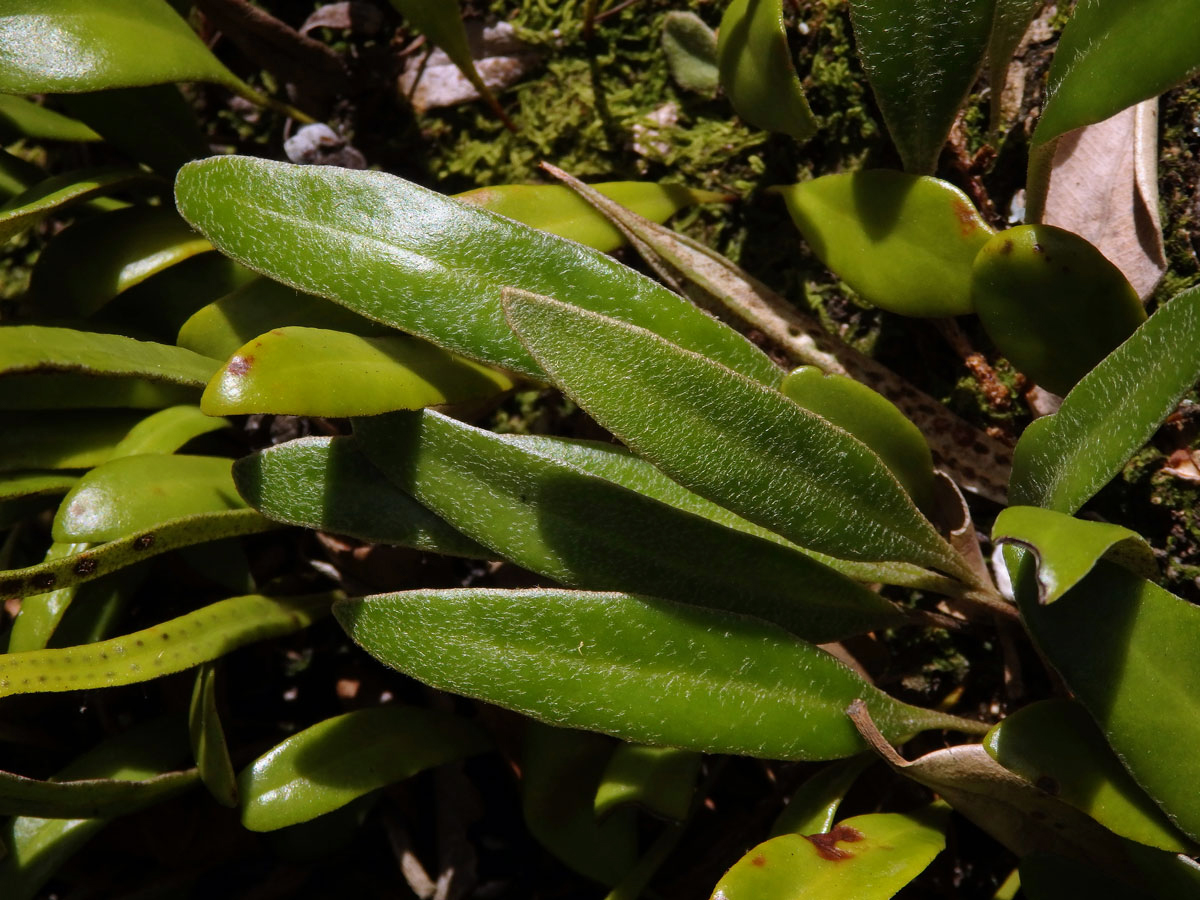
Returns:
(779,465)
(92,261)
(424,263)
(327,484)
(613,462)
(755,68)
(70,391)
(55,441)
(314,372)
(1066,549)
(152,124)
(166,430)
(16,485)
(559,210)
(325,766)
(1011,21)
(16,175)
(1062,460)
(137,493)
(40,614)
(37,847)
(691,50)
(1056,746)
(644,670)
(864,858)
(560,772)
(116,555)
(1113,55)
(100,609)
(1046,877)
(1127,649)
(65,46)
(903,242)
(173,646)
(588,532)
(42,349)
(921,57)
(88,798)
(221,327)
(814,805)
(29,119)
(661,780)
(208,739)
(31,206)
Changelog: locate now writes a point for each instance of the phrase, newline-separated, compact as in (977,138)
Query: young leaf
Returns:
(814,805)
(1055,745)
(173,646)
(314,372)
(327,484)
(137,493)
(424,263)
(661,780)
(53,441)
(110,557)
(645,670)
(1052,303)
(756,69)
(729,439)
(327,765)
(690,47)
(559,210)
(1066,548)
(867,857)
(208,739)
(70,46)
(1064,459)
(46,197)
(922,57)
(31,120)
(1127,650)
(93,261)
(903,242)
(588,532)
(1113,55)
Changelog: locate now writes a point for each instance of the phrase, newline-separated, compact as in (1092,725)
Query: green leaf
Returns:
(690,47)
(780,466)
(871,418)
(561,770)
(645,670)
(327,765)
(1055,877)
(1127,650)
(43,349)
(68,46)
(87,798)
(16,175)
(37,847)
(166,431)
(32,120)
(93,261)
(181,643)
(424,263)
(1114,55)
(1055,745)
(48,440)
(315,372)
(221,327)
(40,614)
(17,485)
(327,484)
(152,124)
(559,210)
(585,531)
(922,58)
(903,242)
(61,191)
(137,493)
(1052,303)
(661,780)
(208,739)
(867,857)
(1066,548)
(1062,460)
(115,555)
(756,69)
(814,805)
(70,391)
(1011,21)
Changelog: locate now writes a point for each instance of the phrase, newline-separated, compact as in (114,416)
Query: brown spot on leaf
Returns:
(11,586)
(827,843)
(967,223)
(1006,248)
(44,581)
(145,542)
(84,567)
(759,861)
(240,365)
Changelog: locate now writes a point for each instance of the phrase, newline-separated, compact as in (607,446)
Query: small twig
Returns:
(997,394)
(609,13)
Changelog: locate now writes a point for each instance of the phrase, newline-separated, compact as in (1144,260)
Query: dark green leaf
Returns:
(24,118)
(1009,26)
(661,780)
(424,263)
(152,124)
(70,391)
(325,766)
(55,440)
(1064,459)
(61,191)
(585,531)
(87,798)
(208,739)
(16,485)
(814,805)
(165,431)
(644,670)
(922,57)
